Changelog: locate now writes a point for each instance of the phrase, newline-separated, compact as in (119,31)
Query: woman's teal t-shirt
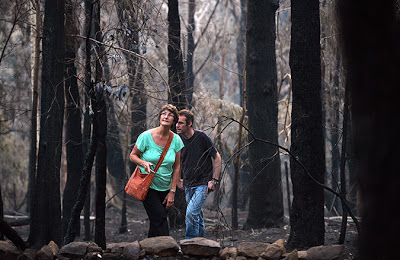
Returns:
(151,152)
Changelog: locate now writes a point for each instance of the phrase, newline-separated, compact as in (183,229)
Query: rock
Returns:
(93,247)
(302,254)
(160,246)
(29,254)
(111,256)
(275,250)
(60,257)
(330,252)
(291,256)
(47,252)
(228,253)
(93,256)
(251,249)
(131,251)
(8,250)
(116,247)
(199,246)
(74,249)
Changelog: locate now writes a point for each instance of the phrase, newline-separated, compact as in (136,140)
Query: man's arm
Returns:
(217,165)
(216,172)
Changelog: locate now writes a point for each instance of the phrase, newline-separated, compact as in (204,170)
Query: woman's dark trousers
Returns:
(157,213)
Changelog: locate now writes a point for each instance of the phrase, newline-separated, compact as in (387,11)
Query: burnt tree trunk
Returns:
(266,198)
(35,101)
(46,217)
(87,125)
(307,142)
(371,36)
(73,133)
(176,96)
(89,144)
(190,51)
(101,125)
(176,72)
(1,214)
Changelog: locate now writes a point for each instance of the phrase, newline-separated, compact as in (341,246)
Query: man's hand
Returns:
(211,187)
(180,184)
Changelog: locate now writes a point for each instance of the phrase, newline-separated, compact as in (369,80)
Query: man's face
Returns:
(181,126)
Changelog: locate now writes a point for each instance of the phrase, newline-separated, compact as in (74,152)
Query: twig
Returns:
(344,201)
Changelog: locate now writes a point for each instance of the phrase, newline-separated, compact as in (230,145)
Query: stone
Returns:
(199,246)
(302,254)
(111,256)
(8,250)
(74,250)
(116,247)
(131,251)
(93,247)
(251,249)
(228,253)
(48,251)
(93,256)
(29,254)
(274,251)
(330,252)
(160,246)
(291,256)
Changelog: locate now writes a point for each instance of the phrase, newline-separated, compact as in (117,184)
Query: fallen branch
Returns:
(11,234)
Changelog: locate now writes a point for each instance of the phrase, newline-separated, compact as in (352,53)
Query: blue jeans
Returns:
(195,197)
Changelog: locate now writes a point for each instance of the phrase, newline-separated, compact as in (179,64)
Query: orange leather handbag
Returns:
(139,183)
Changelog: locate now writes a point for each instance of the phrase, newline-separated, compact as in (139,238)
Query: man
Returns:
(200,167)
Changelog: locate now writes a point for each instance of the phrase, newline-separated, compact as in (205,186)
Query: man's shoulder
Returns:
(201,134)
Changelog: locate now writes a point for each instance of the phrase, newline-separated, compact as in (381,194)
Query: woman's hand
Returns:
(135,158)
(147,166)
(169,199)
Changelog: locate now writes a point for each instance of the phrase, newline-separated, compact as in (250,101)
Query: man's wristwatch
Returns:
(172,190)
(214,181)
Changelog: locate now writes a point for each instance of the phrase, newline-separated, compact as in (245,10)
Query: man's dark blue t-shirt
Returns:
(196,162)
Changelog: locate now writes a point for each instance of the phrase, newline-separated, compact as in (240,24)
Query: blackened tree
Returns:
(176,72)
(371,38)
(266,199)
(101,124)
(73,131)
(307,143)
(46,210)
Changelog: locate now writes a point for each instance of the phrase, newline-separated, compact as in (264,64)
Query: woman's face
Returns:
(167,118)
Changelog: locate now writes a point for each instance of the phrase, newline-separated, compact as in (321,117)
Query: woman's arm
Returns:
(176,171)
(135,158)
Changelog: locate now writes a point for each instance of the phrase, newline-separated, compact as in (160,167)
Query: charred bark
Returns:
(46,216)
(266,198)
(307,142)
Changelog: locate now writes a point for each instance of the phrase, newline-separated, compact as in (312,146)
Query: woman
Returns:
(146,154)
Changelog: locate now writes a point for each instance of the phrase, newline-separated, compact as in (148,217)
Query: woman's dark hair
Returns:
(172,109)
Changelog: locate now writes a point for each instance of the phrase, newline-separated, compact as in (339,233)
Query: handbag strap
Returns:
(164,152)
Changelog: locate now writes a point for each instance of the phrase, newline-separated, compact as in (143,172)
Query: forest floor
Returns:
(217,228)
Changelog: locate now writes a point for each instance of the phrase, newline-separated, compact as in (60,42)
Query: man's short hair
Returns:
(188,114)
